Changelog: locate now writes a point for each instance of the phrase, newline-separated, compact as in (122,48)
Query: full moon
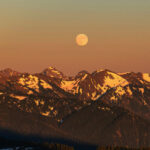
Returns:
(81,39)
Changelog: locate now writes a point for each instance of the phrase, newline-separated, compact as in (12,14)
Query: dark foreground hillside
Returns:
(89,128)
(12,145)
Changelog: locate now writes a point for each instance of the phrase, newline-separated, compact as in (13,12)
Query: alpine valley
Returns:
(98,110)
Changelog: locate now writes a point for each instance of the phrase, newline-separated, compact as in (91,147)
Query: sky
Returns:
(36,34)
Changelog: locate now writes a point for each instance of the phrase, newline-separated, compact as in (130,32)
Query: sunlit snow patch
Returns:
(17,97)
(46,85)
(30,81)
(114,80)
(1,93)
(146,77)
(45,113)
(70,86)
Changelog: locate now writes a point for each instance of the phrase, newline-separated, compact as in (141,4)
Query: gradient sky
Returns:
(35,34)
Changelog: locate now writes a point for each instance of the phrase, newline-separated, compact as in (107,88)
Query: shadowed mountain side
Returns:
(21,127)
(102,125)
(97,124)
(134,104)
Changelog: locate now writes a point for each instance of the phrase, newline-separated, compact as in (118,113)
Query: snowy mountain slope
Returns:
(52,94)
(92,86)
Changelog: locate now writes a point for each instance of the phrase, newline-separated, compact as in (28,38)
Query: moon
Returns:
(81,39)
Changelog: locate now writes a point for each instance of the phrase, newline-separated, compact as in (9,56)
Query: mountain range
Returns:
(102,108)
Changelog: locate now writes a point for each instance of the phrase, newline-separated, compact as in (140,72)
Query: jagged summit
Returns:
(8,72)
(81,74)
(88,86)
(52,72)
(99,70)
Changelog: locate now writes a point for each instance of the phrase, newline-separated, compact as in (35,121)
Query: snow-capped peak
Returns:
(104,80)
(93,85)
